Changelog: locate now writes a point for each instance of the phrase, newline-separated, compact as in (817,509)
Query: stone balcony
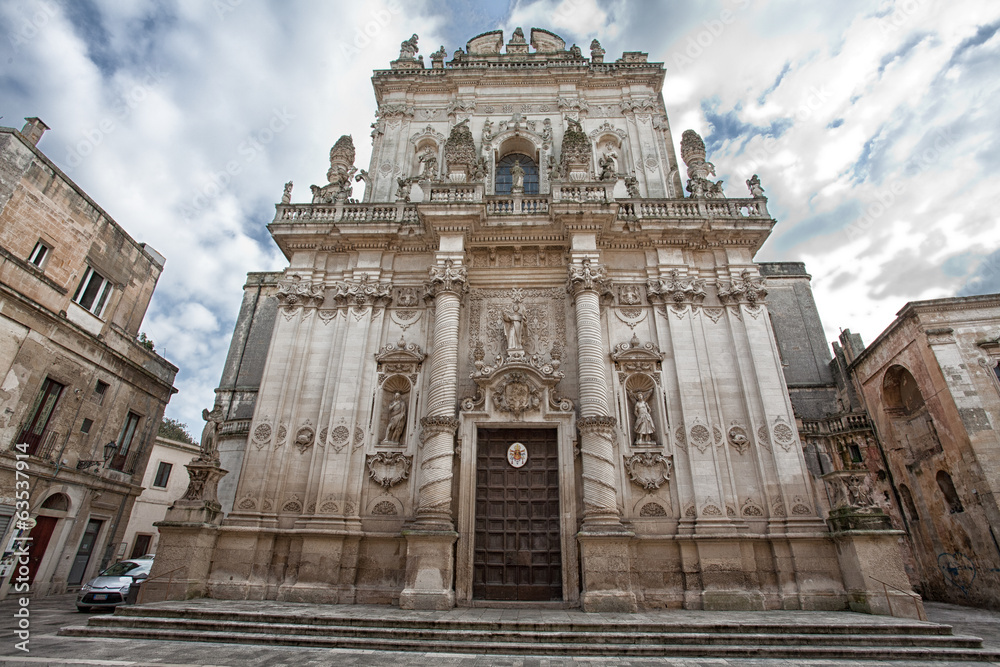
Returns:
(695,220)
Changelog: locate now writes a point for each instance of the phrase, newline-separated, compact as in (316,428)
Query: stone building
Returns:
(533,364)
(81,397)
(931,383)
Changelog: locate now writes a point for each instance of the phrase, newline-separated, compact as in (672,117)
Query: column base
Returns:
(430,570)
(606,565)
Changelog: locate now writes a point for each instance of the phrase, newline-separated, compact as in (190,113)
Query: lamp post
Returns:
(109,450)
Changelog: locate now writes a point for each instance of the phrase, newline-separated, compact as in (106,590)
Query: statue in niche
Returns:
(397,420)
(513,325)
(517,177)
(644,428)
(428,164)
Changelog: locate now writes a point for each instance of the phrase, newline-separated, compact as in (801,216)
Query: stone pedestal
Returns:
(872,567)
(188,534)
(605,567)
(430,570)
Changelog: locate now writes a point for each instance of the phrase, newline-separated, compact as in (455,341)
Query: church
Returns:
(536,364)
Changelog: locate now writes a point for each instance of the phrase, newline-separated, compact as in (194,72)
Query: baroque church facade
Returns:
(536,363)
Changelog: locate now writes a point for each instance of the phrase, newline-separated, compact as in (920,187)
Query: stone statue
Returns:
(513,323)
(428,164)
(397,420)
(440,54)
(632,184)
(408,49)
(518,37)
(596,52)
(753,183)
(209,435)
(547,131)
(575,51)
(286,196)
(403,191)
(487,133)
(644,428)
(517,177)
(607,165)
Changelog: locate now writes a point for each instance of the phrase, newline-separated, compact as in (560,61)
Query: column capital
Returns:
(587,276)
(596,424)
(447,278)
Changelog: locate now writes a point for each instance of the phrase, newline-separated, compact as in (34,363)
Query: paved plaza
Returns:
(48,614)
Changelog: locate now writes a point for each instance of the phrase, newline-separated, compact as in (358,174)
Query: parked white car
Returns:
(109,588)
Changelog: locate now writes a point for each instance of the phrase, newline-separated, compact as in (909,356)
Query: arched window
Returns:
(950,494)
(504,180)
(911,508)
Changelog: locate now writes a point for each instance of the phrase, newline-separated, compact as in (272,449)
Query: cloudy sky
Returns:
(874,126)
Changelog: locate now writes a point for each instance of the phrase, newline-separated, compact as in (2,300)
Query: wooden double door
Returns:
(517,553)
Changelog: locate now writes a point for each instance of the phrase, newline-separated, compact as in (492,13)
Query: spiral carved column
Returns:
(597,426)
(439,424)
(605,561)
(430,562)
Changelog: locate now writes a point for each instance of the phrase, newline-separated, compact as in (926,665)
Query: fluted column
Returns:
(596,423)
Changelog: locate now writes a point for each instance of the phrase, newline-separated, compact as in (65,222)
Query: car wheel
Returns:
(83,609)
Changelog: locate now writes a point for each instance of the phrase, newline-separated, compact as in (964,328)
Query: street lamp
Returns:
(109,450)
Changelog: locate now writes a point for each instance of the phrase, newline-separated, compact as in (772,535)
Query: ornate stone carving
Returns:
(652,509)
(339,437)
(576,151)
(304,438)
(363,292)
(436,424)
(648,470)
(693,154)
(294,292)
(541,346)
(384,508)
(447,278)
(738,438)
(389,468)
(635,356)
(677,290)
(783,434)
(745,289)
(701,437)
(286,195)
(460,152)
(340,174)
(680,437)
(600,423)
(516,394)
(587,276)
(752,508)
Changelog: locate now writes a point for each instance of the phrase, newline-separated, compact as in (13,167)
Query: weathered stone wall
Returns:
(926,381)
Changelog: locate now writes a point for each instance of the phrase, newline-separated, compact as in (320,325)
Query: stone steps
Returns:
(803,635)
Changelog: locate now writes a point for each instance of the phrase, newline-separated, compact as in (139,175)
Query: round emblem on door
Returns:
(517,455)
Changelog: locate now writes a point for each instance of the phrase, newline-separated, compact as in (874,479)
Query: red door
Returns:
(40,535)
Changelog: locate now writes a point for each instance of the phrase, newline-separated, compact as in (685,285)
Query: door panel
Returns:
(517,554)
(83,553)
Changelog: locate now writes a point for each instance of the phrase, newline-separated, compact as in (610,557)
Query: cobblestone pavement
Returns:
(47,615)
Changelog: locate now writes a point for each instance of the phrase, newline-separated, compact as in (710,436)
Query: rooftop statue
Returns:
(408,48)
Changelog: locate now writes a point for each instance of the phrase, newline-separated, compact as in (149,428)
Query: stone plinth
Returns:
(430,570)
(188,534)
(872,567)
(605,566)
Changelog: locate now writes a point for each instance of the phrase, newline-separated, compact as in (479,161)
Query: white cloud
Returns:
(190,86)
